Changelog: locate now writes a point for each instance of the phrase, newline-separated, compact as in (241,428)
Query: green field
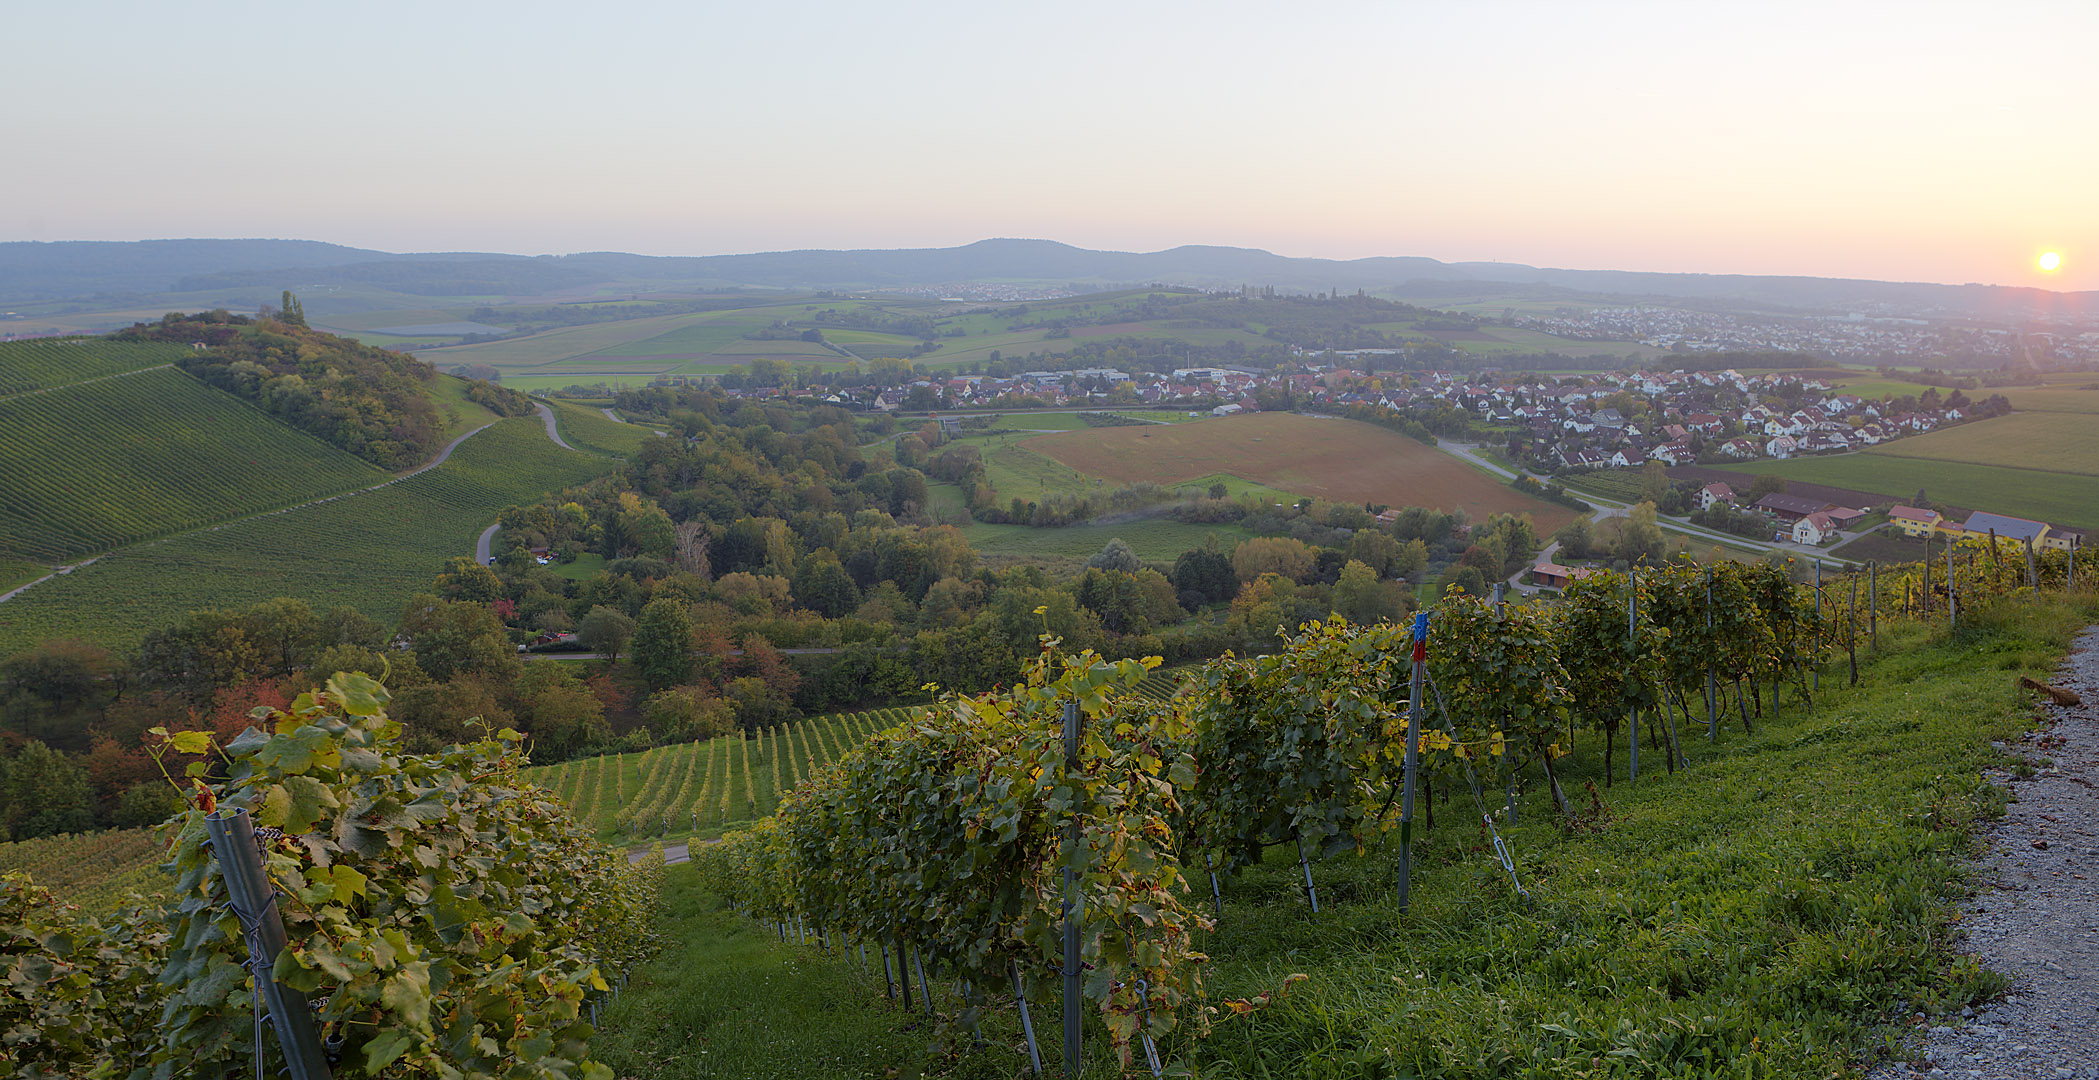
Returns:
(47,362)
(15,572)
(114,461)
(448,393)
(1159,539)
(2048,441)
(2061,498)
(700,788)
(370,550)
(94,870)
(2062,399)
(586,428)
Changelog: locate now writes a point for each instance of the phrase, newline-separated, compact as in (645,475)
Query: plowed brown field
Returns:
(1340,460)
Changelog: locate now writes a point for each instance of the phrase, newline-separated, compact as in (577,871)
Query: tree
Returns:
(1280,555)
(1219,491)
(1117,556)
(683,713)
(451,637)
(1576,538)
(606,631)
(1654,481)
(1765,484)
(823,586)
(45,794)
(663,644)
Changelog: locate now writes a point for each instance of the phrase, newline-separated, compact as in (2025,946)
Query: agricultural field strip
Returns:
(370,550)
(5,398)
(2061,442)
(163,454)
(51,364)
(95,870)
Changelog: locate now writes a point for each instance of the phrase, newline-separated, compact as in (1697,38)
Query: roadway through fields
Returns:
(1607,508)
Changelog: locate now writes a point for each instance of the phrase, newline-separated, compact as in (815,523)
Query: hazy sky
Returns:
(1904,140)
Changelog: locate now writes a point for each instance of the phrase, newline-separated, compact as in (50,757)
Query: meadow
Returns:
(2060,498)
(1340,460)
(2066,442)
(587,428)
(1154,539)
(370,550)
(114,461)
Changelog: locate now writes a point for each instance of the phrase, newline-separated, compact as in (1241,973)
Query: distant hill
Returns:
(32,270)
(46,271)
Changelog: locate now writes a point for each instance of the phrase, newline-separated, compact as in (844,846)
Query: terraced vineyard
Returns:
(47,362)
(589,429)
(113,461)
(93,870)
(700,788)
(370,550)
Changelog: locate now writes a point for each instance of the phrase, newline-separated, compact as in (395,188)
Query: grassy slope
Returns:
(119,460)
(1778,911)
(2058,497)
(371,550)
(2048,441)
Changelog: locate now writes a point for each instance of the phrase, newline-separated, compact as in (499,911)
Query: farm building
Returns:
(1913,522)
(1554,576)
(2061,539)
(1790,508)
(1982,524)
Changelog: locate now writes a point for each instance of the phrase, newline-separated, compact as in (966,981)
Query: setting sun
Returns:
(2050,262)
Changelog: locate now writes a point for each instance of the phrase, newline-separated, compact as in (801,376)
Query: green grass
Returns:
(1780,910)
(1158,539)
(586,566)
(724,1000)
(448,392)
(590,429)
(42,363)
(111,462)
(370,550)
(2049,441)
(2055,497)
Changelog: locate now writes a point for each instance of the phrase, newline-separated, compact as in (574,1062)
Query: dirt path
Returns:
(2036,915)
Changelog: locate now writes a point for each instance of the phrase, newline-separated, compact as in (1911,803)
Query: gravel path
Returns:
(2036,918)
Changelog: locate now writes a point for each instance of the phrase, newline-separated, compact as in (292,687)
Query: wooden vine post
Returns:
(1632,651)
(1413,761)
(1818,622)
(1873,605)
(1073,999)
(1712,711)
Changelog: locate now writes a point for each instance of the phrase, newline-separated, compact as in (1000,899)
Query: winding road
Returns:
(553,432)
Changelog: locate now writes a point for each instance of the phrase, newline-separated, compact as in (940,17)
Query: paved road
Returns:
(672,853)
(426,467)
(1606,508)
(484,547)
(553,432)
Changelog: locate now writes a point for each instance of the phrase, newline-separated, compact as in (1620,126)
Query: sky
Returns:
(1905,141)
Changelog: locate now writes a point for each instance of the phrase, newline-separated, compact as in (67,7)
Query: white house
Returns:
(1814,529)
